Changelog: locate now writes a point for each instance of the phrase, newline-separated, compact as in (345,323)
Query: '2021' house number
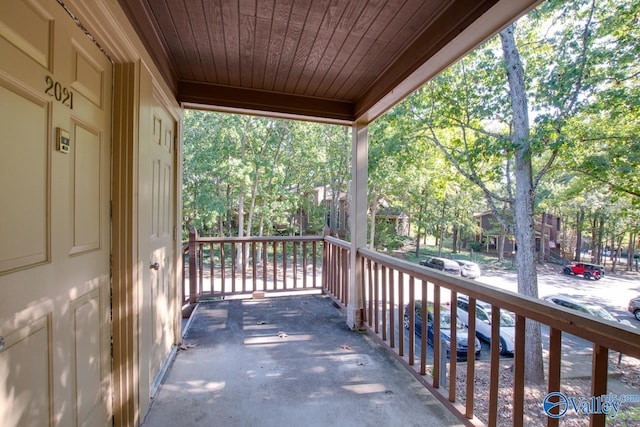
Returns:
(59,92)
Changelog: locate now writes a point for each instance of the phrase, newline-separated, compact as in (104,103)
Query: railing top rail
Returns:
(259,239)
(338,242)
(615,336)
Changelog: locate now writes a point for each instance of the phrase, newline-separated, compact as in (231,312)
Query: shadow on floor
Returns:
(287,361)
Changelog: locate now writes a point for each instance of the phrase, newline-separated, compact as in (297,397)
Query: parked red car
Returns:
(588,271)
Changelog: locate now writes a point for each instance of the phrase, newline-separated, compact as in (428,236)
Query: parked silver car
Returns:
(469,269)
(483,323)
(584,307)
(634,307)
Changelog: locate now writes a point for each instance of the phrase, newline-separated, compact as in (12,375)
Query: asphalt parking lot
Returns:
(612,292)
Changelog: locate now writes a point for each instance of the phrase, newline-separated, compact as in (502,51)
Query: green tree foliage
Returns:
(247,175)
(605,138)
(204,171)
(556,90)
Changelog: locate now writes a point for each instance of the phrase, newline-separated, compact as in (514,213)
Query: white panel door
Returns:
(161,158)
(157,164)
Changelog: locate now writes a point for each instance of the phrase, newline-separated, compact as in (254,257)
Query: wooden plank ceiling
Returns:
(329,60)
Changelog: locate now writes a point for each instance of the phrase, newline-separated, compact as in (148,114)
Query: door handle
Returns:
(155,266)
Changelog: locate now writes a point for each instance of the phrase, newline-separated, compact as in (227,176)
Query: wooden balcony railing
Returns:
(388,286)
(219,267)
(335,267)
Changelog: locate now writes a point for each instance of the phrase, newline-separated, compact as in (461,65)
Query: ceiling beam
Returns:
(219,97)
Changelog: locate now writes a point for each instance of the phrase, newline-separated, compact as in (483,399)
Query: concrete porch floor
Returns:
(287,361)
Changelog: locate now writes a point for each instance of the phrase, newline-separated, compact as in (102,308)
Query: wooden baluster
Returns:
(223,269)
(555,360)
(423,330)
(193,274)
(383,274)
(211,267)
(494,374)
(233,267)
(200,268)
(412,320)
(599,368)
(284,265)
(275,265)
(437,344)
(376,296)
(518,372)
(304,265)
(453,350)
(243,248)
(295,265)
(471,352)
(254,266)
(401,314)
(369,294)
(392,310)
(265,265)
(324,263)
(345,277)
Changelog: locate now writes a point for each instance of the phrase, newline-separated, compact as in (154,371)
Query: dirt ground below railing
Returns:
(623,380)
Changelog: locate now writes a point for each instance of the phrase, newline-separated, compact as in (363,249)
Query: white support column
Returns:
(357,223)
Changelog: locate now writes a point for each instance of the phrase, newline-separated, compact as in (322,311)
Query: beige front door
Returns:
(157,159)
(55,140)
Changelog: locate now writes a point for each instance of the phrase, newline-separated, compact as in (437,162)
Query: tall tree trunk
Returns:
(579,229)
(220,217)
(420,216)
(615,252)
(229,210)
(252,203)
(254,192)
(600,237)
(454,236)
(612,249)
(441,228)
(241,200)
(542,237)
(524,201)
(259,247)
(594,238)
(336,177)
(563,244)
(501,240)
(631,250)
